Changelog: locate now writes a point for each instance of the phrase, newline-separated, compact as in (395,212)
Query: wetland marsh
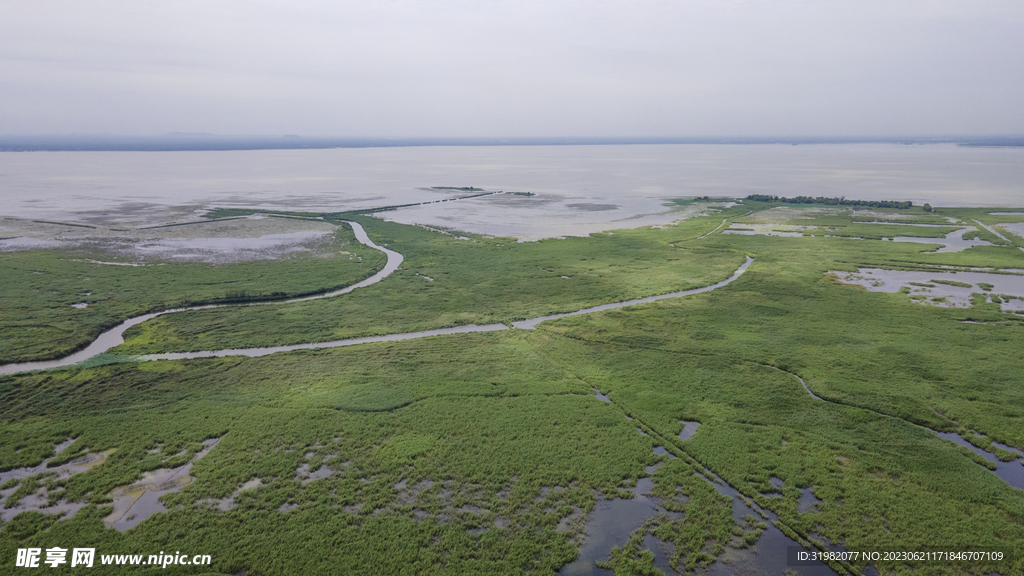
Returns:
(783,397)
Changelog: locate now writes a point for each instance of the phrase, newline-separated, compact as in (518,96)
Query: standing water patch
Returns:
(769,555)
(609,525)
(941,288)
(135,503)
(39,500)
(689,429)
(807,502)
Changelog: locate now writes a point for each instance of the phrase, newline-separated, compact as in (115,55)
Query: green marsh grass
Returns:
(38,322)
(440,449)
(478,281)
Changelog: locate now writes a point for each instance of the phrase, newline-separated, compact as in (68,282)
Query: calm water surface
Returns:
(578,189)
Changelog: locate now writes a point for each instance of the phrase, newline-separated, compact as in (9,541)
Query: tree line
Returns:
(840,201)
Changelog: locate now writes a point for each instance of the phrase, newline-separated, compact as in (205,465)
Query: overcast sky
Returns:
(513,68)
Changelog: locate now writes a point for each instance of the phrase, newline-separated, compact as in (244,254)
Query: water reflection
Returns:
(613,521)
(807,502)
(135,503)
(769,556)
(941,287)
(1010,472)
(610,524)
(952,242)
(132,187)
(39,500)
(689,429)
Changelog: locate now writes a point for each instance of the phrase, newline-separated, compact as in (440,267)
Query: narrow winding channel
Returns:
(115,336)
(1011,472)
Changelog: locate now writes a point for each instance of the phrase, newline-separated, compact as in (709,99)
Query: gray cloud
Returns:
(522,68)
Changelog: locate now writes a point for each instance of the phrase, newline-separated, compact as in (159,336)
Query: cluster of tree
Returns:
(840,201)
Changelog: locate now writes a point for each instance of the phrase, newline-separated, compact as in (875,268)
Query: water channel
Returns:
(532,322)
(952,242)
(115,336)
(1011,472)
(612,520)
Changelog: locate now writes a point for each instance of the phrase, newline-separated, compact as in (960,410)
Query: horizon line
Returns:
(199,141)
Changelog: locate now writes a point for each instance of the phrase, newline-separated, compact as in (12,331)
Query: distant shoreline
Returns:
(213,142)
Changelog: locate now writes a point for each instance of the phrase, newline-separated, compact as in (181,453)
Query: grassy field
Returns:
(38,322)
(482,453)
(486,424)
(445,281)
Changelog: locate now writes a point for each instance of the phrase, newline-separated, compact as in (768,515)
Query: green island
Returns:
(843,407)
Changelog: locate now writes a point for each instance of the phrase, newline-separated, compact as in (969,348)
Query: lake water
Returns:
(579,189)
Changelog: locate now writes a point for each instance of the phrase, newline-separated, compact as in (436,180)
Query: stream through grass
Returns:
(114,337)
